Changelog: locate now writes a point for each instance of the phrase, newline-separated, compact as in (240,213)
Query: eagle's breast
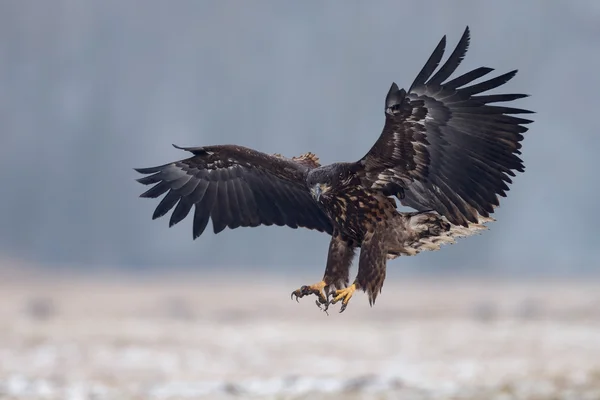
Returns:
(356,211)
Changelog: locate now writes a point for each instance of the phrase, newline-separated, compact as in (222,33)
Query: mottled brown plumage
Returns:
(444,151)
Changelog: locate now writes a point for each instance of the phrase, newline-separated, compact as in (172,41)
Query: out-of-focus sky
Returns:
(91,89)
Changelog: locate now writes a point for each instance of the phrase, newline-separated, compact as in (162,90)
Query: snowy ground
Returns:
(190,338)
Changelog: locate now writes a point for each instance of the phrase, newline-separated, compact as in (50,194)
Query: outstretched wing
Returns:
(234,186)
(443,146)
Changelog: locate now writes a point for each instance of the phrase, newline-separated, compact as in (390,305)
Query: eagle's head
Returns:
(322,180)
(320,189)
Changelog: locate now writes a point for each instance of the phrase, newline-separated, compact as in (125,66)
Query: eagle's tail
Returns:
(420,231)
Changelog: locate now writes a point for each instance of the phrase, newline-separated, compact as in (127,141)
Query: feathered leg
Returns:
(337,271)
(371,270)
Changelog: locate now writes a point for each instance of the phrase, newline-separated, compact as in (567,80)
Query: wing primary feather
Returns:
(489,84)
(156,190)
(150,170)
(181,211)
(166,204)
(200,221)
(430,65)
(189,187)
(250,204)
(453,61)
(203,210)
(180,182)
(220,209)
(468,77)
(235,214)
(244,213)
(150,179)
(198,194)
(174,172)
(490,110)
(496,98)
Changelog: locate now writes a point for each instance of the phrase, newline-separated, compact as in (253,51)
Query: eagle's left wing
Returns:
(443,147)
(235,186)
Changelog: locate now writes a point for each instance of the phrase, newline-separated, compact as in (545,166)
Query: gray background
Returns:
(91,89)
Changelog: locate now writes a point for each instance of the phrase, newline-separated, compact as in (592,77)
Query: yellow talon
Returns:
(316,289)
(344,295)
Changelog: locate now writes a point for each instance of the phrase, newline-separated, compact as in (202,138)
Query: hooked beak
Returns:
(316,191)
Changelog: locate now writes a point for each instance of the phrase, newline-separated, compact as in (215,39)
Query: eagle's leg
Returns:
(339,259)
(371,271)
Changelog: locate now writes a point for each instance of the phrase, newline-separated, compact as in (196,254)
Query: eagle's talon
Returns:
(316,289)
(343,295)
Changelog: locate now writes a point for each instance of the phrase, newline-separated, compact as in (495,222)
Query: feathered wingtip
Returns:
(436,57)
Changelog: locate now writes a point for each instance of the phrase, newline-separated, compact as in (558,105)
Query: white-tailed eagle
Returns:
(447,150)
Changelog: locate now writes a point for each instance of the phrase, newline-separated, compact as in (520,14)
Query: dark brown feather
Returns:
(236,187)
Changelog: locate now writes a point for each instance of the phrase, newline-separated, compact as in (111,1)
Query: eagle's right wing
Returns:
(445,146)
(235,187)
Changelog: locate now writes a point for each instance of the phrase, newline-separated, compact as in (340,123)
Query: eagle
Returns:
(447,151)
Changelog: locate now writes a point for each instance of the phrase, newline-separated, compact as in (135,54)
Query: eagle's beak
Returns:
(316,191)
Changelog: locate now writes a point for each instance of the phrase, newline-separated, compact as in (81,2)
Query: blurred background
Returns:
(91,89)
